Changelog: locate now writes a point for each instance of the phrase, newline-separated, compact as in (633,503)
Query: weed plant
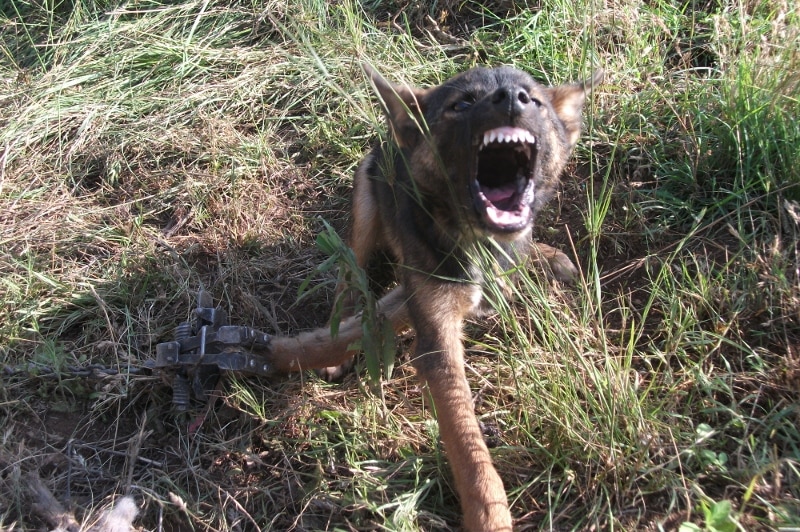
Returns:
(149,149)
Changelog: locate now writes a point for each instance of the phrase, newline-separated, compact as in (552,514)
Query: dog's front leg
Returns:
(318,349)
(436,310)
(365,237)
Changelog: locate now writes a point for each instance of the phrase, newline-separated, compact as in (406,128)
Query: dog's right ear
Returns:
(404,106)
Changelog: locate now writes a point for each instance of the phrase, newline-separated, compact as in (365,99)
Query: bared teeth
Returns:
(507,135)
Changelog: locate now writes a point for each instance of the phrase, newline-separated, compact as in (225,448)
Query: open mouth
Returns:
(503,185)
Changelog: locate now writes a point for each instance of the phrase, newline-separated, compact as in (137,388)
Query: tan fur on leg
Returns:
(317,349)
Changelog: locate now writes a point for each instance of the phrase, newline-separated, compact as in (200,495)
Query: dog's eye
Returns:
(462,105)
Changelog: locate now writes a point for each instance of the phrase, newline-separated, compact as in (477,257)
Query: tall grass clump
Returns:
(152,149)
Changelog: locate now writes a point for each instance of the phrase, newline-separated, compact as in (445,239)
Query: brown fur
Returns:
(429,196)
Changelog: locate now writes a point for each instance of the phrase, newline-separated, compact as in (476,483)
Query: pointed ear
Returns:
(402,104)
(567,101)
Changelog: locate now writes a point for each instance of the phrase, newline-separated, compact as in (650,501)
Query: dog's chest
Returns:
(487,285)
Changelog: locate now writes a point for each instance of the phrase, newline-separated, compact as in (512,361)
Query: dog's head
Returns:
(490,143)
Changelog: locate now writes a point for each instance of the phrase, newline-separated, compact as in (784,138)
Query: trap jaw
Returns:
(204,348)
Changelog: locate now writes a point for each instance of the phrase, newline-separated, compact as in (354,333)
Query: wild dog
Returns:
(468,163)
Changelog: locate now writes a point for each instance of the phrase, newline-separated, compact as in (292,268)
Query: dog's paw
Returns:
(335,373)
(561,266)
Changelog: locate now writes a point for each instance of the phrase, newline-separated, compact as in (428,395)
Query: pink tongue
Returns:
(499,194)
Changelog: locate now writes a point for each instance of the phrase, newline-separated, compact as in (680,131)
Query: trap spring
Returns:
(207,346)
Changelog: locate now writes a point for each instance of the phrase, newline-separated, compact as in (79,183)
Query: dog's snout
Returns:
(513,98)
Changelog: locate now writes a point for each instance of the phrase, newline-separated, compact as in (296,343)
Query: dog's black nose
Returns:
(511,99)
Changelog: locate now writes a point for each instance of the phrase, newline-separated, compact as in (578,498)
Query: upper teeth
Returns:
(507,134)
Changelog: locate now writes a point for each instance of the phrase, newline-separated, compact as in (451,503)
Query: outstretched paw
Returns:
(562,268)
(335,373)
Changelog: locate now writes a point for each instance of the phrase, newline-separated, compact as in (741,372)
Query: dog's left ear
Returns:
(567,100)
(403,105)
